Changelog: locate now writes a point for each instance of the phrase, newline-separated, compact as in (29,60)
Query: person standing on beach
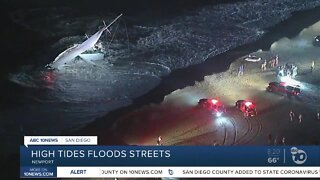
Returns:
(312,66)
(277,60)
(275,142)
(242,69)
(159,141)
(291,114)
(283,141)
(300,118)
(264,66)
(272,63)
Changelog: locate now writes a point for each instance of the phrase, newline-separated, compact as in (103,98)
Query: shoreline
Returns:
(188,76)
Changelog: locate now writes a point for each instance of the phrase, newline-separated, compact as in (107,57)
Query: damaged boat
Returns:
(71,53)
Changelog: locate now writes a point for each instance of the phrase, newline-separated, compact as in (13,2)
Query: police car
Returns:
(282,87)
(213,105)
(247,107)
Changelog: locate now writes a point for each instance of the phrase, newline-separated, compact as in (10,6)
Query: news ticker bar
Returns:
(177,172)
(144,156)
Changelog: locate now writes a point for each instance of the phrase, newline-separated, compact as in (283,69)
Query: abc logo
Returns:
(170,171)
(298,155)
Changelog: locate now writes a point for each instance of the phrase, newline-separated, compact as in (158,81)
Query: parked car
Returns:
(213,105)
(247,107)
(282,87)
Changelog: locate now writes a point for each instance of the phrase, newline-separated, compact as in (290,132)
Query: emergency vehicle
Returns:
(283,87)
(247,107)
(213,105)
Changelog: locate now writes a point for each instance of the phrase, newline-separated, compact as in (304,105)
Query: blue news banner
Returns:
(42,161)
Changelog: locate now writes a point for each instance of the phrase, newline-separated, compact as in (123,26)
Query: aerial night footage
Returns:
(160,73)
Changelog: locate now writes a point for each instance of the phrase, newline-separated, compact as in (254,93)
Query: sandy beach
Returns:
(178,120)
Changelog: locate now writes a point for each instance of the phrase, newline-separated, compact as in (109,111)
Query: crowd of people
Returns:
(272,63)
(289,70)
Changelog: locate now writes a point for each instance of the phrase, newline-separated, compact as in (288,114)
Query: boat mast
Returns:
(113,21)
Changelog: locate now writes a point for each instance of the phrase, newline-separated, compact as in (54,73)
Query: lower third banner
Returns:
(169,161)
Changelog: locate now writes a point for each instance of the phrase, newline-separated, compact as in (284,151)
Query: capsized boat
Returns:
(69,54)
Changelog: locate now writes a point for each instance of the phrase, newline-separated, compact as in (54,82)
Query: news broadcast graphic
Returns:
(90,160)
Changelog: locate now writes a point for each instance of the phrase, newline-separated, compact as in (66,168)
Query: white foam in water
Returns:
(85,91)
(301,43)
